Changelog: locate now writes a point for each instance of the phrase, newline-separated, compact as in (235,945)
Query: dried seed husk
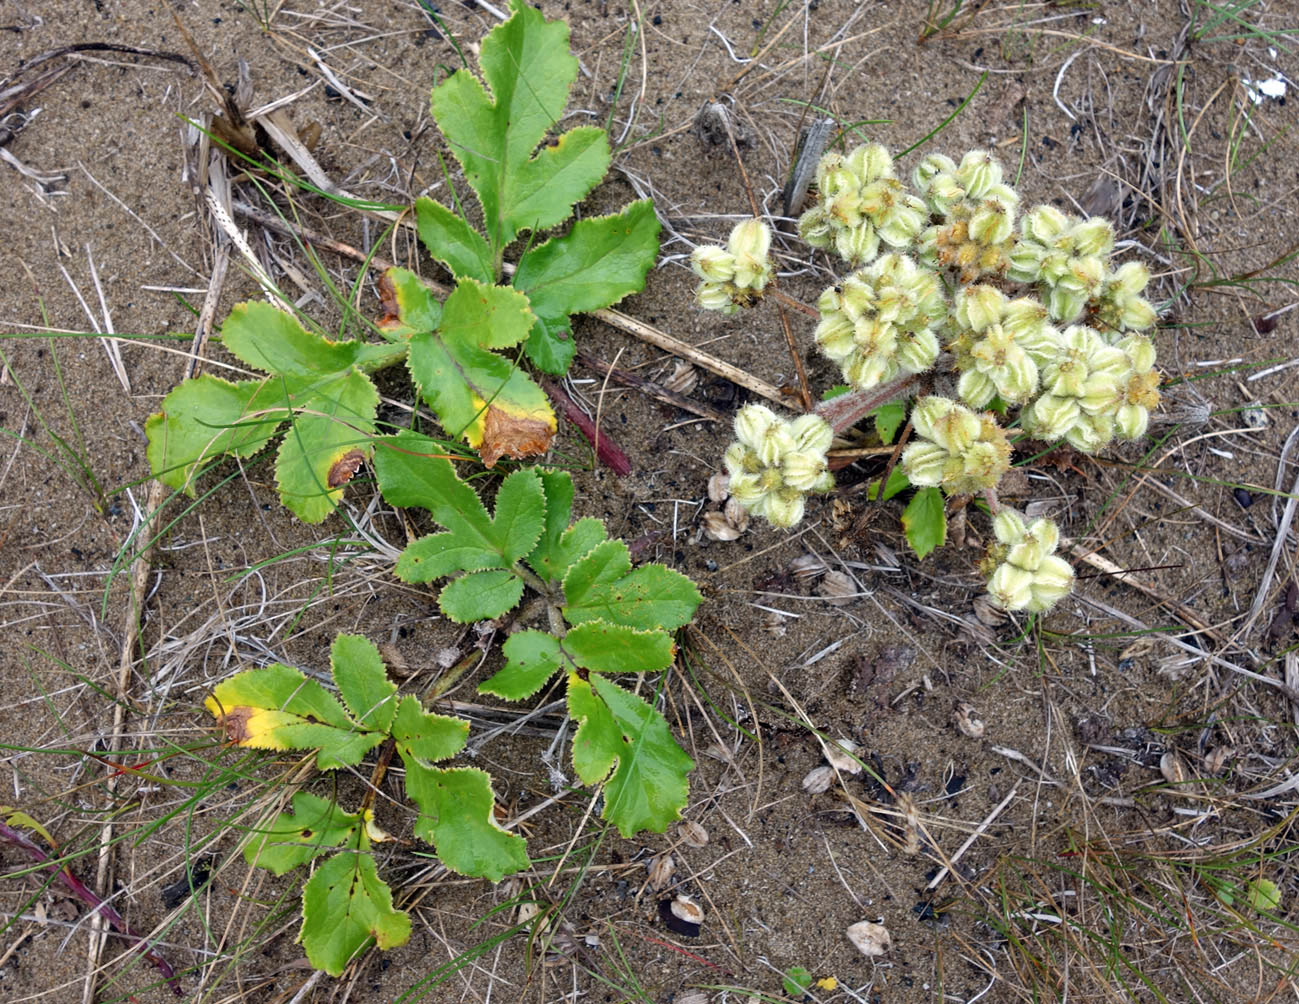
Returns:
(967,721)
(807,566)
(773,622)
(718,527)
(987,612)
(871,940)
(1173,767)
(682,915)
(838,588)
(736,514)
(661,870)
(683,379)
(1217,758)
(818,780)
(719,487)
(839,754)
(692,834)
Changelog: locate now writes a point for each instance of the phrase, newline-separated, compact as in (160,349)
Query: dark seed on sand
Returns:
(1243,498)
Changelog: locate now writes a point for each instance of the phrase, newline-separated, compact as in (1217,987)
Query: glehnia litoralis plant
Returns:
(1037,322)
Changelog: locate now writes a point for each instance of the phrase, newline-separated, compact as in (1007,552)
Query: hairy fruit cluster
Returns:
(860,203)
(776,462)
(880,321)
(1024,573)
(734,276)
(959,450)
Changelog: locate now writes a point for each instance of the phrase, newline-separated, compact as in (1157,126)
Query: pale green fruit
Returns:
(1011,588)
(917,351)
(976,389)
(923,464)
(803,471)
(1052,582)
(979,307)
(713,264)
(1050,417)
(715,296)
(811,433)
(783,508)
(1008,526)
(857,244)
(753,425)
(835,333)
(1131,421)
(1094,237)
(814,228)
(979,173)
(869,162)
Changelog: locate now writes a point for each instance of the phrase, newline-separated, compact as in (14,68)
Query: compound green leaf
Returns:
(451,240)
(476,393)
(426,735)
(272,340)
(481,596)
(527,65)
(345,906)
(533,657)
(647,789)
(602,586)
(320,385)
(335,419)
(560,545)
(206,418)
(413,471)
(598,262)
(520,514)
(440,554)
(278,708)
(363,681)
(888,419)
(295,837)
(616,648)
(924,521)
(457,816)
(409,305)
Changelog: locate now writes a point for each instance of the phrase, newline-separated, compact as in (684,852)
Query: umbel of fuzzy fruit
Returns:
(960,450)
(1024,573)
(734,276)
(860,203)
(976,232)
(776,462)
(881,321)
(1001,345)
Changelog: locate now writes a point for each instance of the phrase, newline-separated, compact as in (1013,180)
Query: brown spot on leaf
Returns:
(235,723)
(388,298)
(513,436)
(344,468)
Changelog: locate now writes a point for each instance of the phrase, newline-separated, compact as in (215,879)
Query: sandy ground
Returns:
(1093,857)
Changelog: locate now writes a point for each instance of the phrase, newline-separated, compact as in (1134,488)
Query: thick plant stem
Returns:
(846,410)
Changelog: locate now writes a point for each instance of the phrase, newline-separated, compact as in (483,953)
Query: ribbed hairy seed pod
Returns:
(734,276)
(962,451)
(859,204)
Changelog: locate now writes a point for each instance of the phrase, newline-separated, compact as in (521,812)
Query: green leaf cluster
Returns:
(609,617)
(502,131)
(462,352)
(345,904)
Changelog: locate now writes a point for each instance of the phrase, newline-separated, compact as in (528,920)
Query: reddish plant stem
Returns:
(846,410)
(606,450)
(803,308)
(84,893)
